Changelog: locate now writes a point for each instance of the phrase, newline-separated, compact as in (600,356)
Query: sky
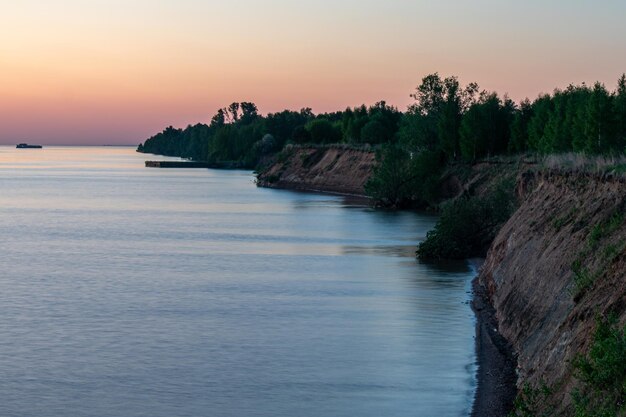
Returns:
(118,71)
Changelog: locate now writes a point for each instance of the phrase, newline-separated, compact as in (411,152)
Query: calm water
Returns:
(129,291)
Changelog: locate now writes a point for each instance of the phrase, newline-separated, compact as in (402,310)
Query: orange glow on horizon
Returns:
(119,71)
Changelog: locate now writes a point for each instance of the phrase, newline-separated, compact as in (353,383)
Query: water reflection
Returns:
(133,291)
(380,250)
(450,267)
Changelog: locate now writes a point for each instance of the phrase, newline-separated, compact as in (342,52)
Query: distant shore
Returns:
(330,169)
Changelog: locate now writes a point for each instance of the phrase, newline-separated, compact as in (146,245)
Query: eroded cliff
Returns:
(334,169)
(555,266)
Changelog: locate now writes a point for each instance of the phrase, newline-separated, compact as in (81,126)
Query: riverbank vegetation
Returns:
(240,135)
(447,125)
(468,225)
(601,375)
(448,121)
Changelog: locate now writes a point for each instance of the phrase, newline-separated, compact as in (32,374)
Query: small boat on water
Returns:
(27,146)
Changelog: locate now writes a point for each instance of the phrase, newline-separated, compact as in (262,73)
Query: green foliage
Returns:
(541,109)
(374,125)
(583,278)
(300,135)
(485,127)
(468,225)
(580,118)
(605,228)
(238,134)
(612,251)
(446,119)
(402,179)
(433,122)
(323,131)
(530,401)
(519,127)
(375,132)
(603,373)
(284,155)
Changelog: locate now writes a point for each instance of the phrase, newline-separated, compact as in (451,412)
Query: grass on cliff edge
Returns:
(576,162)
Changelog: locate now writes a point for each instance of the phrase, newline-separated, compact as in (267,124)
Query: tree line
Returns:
(466,123)
(238,133)
(447,122)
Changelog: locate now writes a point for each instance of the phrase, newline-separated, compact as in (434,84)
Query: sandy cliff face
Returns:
(564,220)
(329,169)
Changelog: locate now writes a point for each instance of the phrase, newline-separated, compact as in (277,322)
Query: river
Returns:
(133,291)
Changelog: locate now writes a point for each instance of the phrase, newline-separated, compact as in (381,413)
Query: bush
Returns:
(583,279)
(603,373)
(467,226)
(402,180)
(530,401)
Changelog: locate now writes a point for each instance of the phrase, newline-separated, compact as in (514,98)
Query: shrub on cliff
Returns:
(603,373)
(468,225)
(402,180)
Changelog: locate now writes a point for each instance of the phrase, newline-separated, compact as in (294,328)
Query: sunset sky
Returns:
(118,71)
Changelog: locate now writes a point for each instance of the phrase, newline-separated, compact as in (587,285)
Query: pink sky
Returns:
(116,72)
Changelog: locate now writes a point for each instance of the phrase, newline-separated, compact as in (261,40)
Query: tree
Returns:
(323,131)
(537,124)
(485,127)
(266,145)
(435,118)
(375,132)
(450,118)
(619,112)
(282,125)
(557,136)
(519,127)
(428,95)
(574,116)
(401,179)
(232,112)
(301,135)
(219,119)
(598,120)
(249,112)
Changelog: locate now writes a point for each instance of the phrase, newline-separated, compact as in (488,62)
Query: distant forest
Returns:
(446,123)
(457,122)
(238,133)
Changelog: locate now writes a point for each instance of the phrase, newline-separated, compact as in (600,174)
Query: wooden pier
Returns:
(177,164)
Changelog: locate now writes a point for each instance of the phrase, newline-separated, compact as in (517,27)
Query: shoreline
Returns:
(496,378)
(290,186)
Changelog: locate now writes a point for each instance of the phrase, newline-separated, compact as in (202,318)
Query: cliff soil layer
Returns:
(329,169)
(554,267)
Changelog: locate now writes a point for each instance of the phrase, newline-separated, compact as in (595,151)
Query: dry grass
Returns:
(343,146)
(575,162)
